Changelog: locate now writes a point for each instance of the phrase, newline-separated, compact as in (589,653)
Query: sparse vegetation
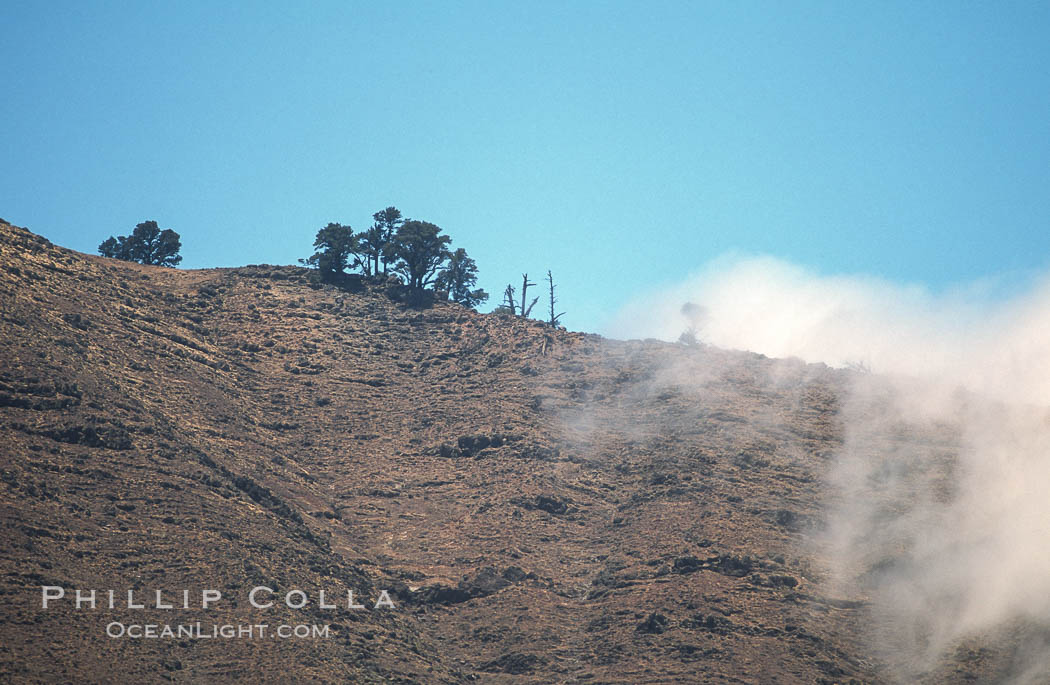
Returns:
(377,242)
(238,396)
(337,248)
(509,306)
(525,283)
(553,318)
(523,307)
(420,250)
(688,337)
(859,366)
(147,244)
(459,277)
(416,251)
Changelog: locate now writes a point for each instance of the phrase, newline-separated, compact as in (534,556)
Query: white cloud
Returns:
(939,501)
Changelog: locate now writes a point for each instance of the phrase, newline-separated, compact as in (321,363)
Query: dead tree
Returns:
(553,317)
(508,300)
(525,283)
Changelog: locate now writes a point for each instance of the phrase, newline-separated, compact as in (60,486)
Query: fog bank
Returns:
(939,500)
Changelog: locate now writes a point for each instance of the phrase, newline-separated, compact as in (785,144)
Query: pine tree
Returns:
(337,248)
(147,244)
(420,250)
(459,277)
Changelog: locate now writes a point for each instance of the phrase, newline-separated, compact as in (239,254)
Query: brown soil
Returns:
(544,506)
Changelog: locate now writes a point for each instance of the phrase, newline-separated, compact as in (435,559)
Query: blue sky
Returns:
(622,145)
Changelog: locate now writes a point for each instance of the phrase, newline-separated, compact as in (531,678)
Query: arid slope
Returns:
(545,506)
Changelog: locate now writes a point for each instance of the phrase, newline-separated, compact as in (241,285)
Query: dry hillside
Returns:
(543,506)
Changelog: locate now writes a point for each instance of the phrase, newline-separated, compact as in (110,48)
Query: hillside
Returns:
(543,506)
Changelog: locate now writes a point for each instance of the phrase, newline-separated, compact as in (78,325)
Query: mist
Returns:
(938,503)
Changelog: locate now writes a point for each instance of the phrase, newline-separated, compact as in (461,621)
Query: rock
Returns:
(551,505)
(440,594)
(790,520)
(91,434)
(655,624)
(470,445)
(711,624)
(514,574)
(729,565)
(514,663)
(487,581)
(783,581)
(684,565)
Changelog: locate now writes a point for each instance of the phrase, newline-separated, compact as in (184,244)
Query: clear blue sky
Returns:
(622,145)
